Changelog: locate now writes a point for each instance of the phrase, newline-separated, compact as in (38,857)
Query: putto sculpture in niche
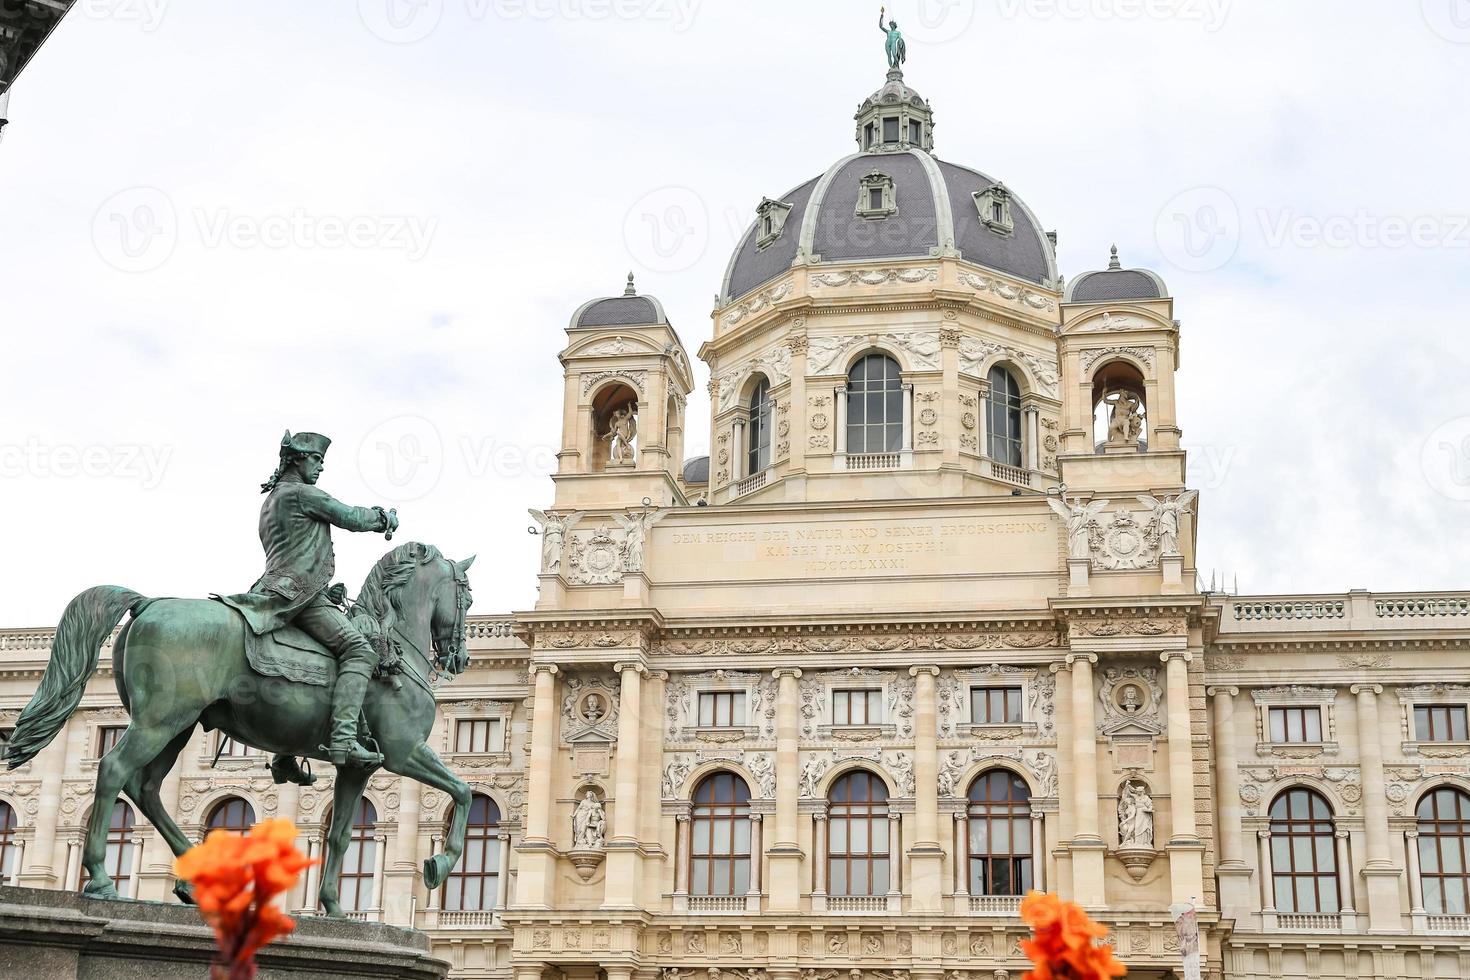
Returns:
(239,666)
(622,430)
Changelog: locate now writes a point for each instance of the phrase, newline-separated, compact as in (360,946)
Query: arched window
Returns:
(119,849)
(857,841)
(719,855)
(1444,829)
(1003,417)
(1303,853)
(874,406)
(355,884)
(232,813)
(1000,834)
(474,884)
(758,429)
(9,845)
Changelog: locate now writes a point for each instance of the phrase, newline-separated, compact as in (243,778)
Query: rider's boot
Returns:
(345,749)
(285,769)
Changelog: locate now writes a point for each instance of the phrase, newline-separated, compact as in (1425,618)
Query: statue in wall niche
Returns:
(622,429)
(1081,519)
(1135,816)
(1131,698)
(1164,518)
(589,822)
(1125,418)
(636,526)
(554,530)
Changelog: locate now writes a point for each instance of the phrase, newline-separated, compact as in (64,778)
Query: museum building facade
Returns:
(922,633)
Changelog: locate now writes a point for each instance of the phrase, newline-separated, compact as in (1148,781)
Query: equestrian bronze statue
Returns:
(288,667)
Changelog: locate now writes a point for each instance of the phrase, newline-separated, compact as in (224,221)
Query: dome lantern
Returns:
(895,118)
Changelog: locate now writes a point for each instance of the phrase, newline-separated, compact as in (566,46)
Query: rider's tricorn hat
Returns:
(304,442)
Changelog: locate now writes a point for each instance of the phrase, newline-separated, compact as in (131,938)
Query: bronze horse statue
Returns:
(183,662)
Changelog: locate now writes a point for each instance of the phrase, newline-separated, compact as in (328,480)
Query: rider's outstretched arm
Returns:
(323,506)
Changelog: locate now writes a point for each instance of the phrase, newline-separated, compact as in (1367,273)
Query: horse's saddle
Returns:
(290,653)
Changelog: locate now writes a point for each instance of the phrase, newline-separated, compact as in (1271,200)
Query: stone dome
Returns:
(930,208)
(1115,283)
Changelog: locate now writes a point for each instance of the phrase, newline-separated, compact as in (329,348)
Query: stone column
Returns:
(1066,827)
(819,863)
(1038,850)
(1186,852)
(650,786)
(502,882)
(799,407)
(785,855)
(753,894)
(314,849)
(1345,872)
(983,416)
(839,424)
(538,852)
(961,860)
(19,862)
(1234,874)
(1416,883)
(681,859)
(1087,845)
(950,410)
(436,844)
(1268,883)
(1379,872)
(380,860)
(401,876)
(51,765)
(926,858)
(623,879)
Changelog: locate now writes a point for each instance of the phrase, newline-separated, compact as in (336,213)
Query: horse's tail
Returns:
(88,621)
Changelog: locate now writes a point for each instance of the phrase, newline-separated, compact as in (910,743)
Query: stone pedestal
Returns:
(55,935)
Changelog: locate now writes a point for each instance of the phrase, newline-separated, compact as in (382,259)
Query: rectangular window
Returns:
(871,134)
(995,705)
(477,735)
(1296,724)
(890,130)
(1440,723)
(228,748)
(916,132)
(721,709)
(107,737)
(875,199)
(857,707)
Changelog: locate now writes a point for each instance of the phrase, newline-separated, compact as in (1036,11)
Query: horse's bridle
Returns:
(439,661)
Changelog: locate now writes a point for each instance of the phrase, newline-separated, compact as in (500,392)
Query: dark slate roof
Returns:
(757,267)
(1024,253)
(914,230)
(1115,284)
(619,311)
(839,235)
(696,471)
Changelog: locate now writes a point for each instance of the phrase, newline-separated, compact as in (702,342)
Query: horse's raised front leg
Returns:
(143,787)
(134,751)
(424,766)
(346,795)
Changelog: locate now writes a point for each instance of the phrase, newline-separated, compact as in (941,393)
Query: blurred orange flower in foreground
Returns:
(1062,946)
(235,879)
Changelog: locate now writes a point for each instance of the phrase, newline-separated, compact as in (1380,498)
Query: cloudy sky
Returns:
(374,218)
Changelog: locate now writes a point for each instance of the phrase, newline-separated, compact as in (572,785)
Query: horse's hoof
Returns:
(184,892)
(101,888)
(436,869)
(333,909)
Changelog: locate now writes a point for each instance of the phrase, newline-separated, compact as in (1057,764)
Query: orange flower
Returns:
(236,877)
(1064,942)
